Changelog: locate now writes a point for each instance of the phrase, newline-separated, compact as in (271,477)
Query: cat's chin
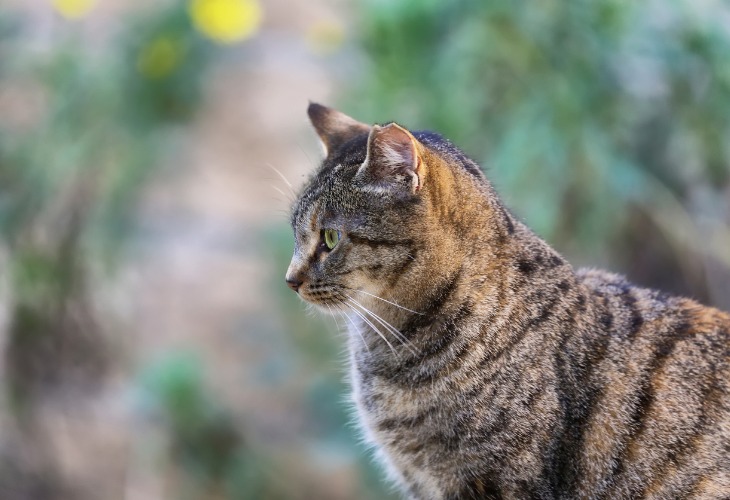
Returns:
(326,306)
(330,309)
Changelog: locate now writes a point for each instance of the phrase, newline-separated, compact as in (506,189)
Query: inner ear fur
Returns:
(333,127)
(393,158)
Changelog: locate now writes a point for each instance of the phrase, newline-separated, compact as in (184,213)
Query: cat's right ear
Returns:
(333,127)
(393,160)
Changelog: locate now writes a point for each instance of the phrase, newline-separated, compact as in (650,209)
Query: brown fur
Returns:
(483,365)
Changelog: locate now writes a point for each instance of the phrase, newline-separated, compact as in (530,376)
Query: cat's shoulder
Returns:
(601,279)
(619,293)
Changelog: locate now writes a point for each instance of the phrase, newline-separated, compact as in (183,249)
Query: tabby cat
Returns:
(482,364)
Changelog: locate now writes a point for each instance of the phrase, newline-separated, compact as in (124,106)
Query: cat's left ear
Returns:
(393,160)
(333,127)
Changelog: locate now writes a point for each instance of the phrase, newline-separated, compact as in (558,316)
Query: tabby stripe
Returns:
(364,267)
(541,262)
(475,393)
(500,422)
(405,373)
(606,319)
(508,220)
(394,423)
(598,349)
(444,338)
(688,445)
(581,403)
(636,319)
(482,488)
(577,405)
(544,313)
(377,242)
(433,348)
(517,435)
(555,261)
(416,378)
(433,306)
(408,261)
(690,489)
(637,422)
(527,266)
(564,286)
(628,300)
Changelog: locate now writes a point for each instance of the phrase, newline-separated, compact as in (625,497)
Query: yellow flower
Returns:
(226,21)
(325,37)
(160,57)
(73,9)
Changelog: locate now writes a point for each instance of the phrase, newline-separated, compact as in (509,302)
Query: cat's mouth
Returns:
(324,296)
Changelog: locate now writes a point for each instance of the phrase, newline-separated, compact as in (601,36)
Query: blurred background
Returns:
(148,346)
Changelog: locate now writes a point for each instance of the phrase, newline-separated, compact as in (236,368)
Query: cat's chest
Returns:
(414,404)
(434,433)
(406,430)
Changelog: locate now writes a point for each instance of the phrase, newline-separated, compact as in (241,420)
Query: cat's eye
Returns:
(331,238)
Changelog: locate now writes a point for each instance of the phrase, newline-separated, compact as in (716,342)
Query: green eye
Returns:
(331,237)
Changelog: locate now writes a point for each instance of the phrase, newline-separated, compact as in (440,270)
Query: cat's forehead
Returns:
(331,185)
(330,192)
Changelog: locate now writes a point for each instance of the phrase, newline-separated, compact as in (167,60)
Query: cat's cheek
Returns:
(365,283)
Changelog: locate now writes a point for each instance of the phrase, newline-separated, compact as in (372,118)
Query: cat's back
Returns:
(661,419)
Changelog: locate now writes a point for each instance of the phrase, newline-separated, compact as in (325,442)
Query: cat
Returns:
(482,364)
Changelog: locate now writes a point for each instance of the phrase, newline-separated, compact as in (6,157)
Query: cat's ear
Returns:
(334,128)
(393,160)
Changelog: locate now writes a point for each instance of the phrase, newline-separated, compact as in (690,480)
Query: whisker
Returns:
(283,177)
(309,309)
(309,160)
(286,196)
(281,213)
(406,343)
(386,300)
(377,318)
(339,331)
(366,320)
(332,312)
(354,326)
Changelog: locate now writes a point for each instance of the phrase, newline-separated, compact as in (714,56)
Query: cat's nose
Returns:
(295,274)
(294,283)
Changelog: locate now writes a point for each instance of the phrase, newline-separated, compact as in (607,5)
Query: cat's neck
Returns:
(491,288)
(476,263)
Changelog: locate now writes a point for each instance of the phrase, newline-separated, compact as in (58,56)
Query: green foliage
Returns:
(104,120)
(71,166)
(587,111)
(205,441)
(165,61)
(71,162)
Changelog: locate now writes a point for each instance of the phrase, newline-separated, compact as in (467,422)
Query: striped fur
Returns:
(507,373)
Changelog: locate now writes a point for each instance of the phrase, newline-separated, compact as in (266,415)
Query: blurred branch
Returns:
(668,212)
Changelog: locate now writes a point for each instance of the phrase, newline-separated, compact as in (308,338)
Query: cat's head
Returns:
(378,217)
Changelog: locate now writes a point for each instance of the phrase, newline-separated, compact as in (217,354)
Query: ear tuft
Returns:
(392,159)
(333,127)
